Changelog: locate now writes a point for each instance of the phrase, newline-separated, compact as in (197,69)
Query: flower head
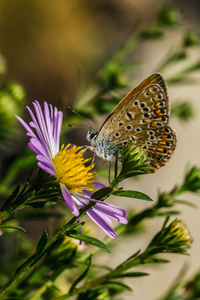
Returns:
(180,232)
(67,164)
(174,238)
(70,168)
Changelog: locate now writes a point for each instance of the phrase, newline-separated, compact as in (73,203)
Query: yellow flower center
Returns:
(71,171)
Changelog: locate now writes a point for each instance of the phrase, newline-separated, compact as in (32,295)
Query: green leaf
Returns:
(42,242)
(41,204)
(130,274)
(100,194)
(87,239)
(185,202)
(116,286)
(132,194)
(132,256)
(74,284)
(12,227)
(167,213)
(11,198)
(156,261)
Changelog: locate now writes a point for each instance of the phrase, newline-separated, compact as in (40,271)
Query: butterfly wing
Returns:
(142,118)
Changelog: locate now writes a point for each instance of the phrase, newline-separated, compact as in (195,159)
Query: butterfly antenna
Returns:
(81,117)
(74,126)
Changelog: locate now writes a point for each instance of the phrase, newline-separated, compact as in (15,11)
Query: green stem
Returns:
(30,262)
(41,290)
(109,276)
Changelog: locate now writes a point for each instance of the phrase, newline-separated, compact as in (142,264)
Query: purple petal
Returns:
(57,129)
(69,200)
(103,216)
(40,137)
(34,148)
(28,129)
(87,193)
(71,145)
(40,149)
(117,213)
(49,120)
(45,143)
(98,185)
(41,121)
(80,202)
(102,212)
(49,169)
(44,159)
(101,223)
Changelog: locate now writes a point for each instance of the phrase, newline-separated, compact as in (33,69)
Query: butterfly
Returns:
(142,119)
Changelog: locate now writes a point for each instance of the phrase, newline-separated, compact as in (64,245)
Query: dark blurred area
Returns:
(52,47)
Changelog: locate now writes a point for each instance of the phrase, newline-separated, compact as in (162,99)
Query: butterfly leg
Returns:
(109,172)
(91,149)
(93,156)
(86,147)
(101,166)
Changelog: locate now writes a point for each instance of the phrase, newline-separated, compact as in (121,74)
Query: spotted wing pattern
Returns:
(142,118)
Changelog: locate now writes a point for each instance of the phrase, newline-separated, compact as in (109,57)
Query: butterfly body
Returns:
(142,119)
(102,147)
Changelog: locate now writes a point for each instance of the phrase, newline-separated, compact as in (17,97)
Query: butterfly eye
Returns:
(91,135)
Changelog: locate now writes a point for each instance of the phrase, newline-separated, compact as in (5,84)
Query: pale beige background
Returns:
(46,42)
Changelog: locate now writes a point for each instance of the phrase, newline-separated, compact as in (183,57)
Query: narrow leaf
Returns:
(116,286)
(42,242)
(185,202)
(132,194)
(100,194)
(88,239)
(132,256)
(130,274)
(167,213)
(41,204)
(12,227)
(11,198)
(156,261)
(74,284)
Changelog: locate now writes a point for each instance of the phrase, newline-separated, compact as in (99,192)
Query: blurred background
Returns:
(53,50)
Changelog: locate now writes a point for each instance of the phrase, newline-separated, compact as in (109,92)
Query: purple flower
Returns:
(67,164)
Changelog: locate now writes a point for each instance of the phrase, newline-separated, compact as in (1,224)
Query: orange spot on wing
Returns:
(160,150)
